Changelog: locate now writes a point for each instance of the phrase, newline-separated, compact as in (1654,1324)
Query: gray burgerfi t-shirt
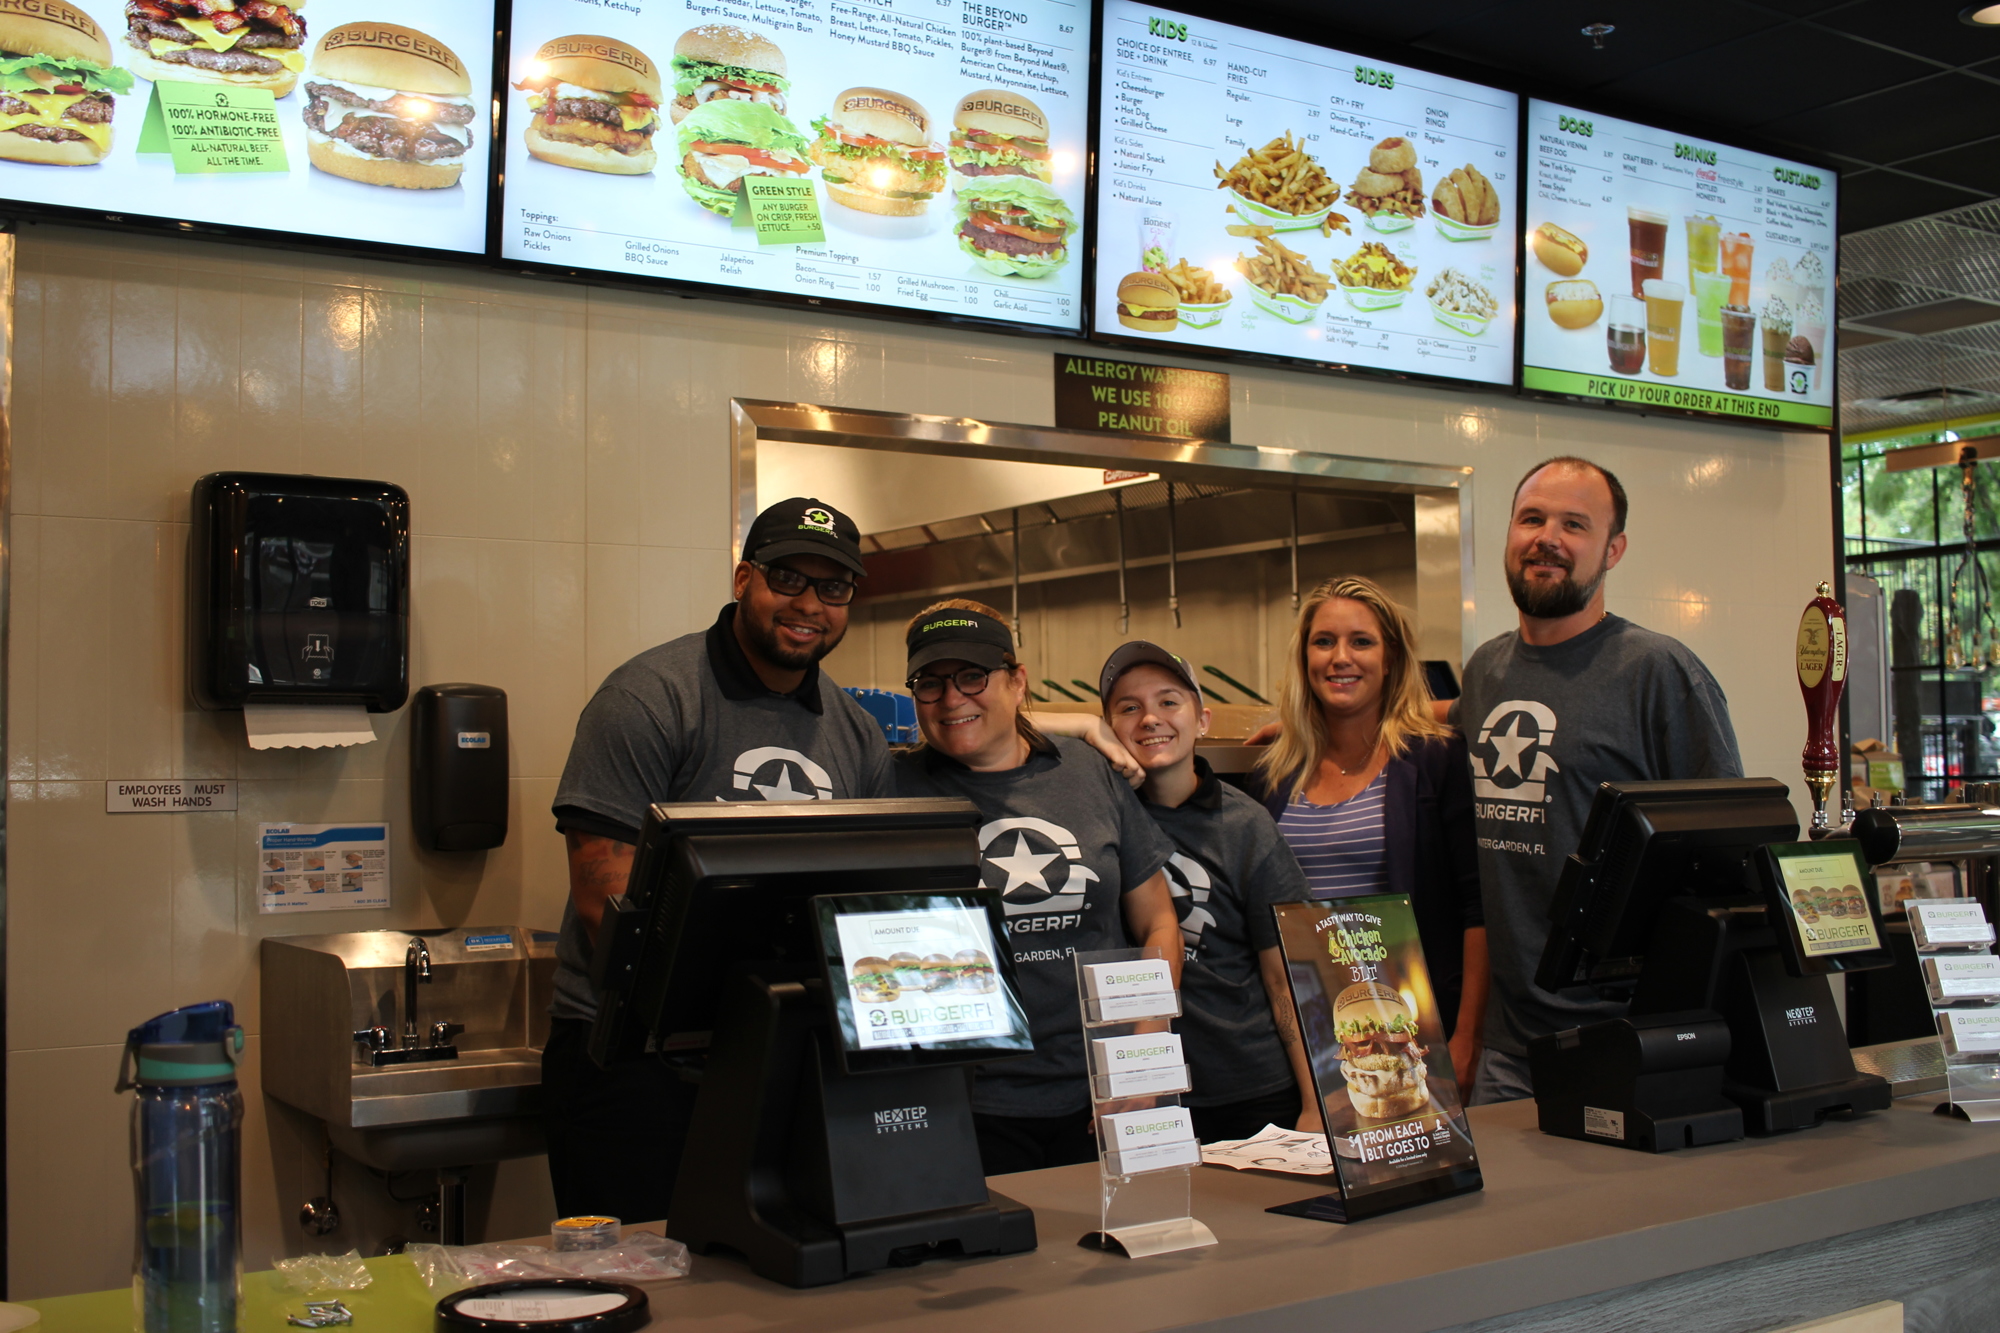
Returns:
(1063,839)
(1230,866)
(1545,726)
(661,729)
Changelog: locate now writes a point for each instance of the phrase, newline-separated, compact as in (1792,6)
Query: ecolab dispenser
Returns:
(299,592)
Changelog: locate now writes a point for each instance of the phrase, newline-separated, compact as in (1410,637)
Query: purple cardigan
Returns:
(1428,844)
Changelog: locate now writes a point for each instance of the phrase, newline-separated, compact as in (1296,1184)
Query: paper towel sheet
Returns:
(306,726)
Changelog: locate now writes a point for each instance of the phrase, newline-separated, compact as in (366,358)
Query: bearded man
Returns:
(1573,698)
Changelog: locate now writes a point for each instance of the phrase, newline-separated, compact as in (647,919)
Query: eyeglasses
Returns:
(971,682)
(788,582)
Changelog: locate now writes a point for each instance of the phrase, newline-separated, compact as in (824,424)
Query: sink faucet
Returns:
(416,968)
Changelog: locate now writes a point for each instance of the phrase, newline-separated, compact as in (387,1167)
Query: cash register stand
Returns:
(814,1174)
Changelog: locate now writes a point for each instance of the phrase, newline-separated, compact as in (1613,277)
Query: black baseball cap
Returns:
(1126,656)
(804,526)
(951,634)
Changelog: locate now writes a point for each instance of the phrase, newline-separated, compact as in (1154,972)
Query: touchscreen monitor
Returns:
(346,123)
(1668,272)
(1262,196)
(919,978)
(902,155)
(1826,918)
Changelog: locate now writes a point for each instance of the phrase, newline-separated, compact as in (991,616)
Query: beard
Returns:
(1543,600)
(763,637)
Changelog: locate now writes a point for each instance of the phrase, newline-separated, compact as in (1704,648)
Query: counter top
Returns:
(1558,1219)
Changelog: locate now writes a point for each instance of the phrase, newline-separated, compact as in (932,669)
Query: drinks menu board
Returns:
(1262,195)
(923,155)
(1672,272)
(360,121)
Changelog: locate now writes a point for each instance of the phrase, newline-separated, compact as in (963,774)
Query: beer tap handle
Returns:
(1822,666)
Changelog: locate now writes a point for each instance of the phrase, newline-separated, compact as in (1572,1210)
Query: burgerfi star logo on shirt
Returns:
(1024,864)
(778,774)
(1517,752)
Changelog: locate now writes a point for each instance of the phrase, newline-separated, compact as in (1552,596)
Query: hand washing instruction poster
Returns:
(322,867)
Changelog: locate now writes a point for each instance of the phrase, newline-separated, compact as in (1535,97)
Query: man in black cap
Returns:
(740,712)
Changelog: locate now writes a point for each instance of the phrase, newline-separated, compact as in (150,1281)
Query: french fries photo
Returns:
(1197,286)
(1281,176)
(1279,270)
(1374,266)
(1467,196)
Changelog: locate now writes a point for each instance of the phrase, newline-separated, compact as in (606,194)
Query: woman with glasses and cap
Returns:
(1374,794)
(1237,1025)
(1079,865)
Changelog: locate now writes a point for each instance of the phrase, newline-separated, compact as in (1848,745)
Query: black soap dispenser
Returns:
(298,592)
(458,767)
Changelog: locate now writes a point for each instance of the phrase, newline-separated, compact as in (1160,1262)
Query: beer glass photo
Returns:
(1649,246)
(1664,302)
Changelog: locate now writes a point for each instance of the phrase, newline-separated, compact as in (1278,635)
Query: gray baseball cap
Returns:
(1139,651)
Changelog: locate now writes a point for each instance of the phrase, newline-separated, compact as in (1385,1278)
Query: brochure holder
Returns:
(1145,1137)
(1961,975)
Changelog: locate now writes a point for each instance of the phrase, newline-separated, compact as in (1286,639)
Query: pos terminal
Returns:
(840,963)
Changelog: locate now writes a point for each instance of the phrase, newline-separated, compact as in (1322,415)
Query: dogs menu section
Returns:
(354,122)
(1673,272)
(940,144)
(1262,195)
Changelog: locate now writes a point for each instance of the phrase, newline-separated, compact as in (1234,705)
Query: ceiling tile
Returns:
(1330,20)
(1975,164)
(1903,122)
(1877,198)
(1816,66)
(1544,38)
(1930,30)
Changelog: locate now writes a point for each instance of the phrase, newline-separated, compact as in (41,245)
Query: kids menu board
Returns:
(1668,272)
(921,155)
(1267,196)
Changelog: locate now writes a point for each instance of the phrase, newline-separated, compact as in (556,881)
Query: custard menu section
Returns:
(921,155)
(351,121)
(1667,272)
(1261,195)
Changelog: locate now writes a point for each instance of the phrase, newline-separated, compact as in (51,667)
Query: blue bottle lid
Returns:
(186,1047)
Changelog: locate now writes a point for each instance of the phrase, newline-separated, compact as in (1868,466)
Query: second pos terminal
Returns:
(840,964)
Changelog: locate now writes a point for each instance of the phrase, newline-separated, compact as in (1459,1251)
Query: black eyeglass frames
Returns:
(788,582)
(970,681)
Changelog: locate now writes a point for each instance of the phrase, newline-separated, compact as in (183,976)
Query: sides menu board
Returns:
(1671,272)
(1262,195)
(912,154)
(362,121)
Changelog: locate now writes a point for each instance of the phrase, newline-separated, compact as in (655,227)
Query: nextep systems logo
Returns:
(1509,750)
(902,1119)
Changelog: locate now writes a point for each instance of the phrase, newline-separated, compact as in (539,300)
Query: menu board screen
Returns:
(360,122)
(1262,195)
(921,155)
(1672,272)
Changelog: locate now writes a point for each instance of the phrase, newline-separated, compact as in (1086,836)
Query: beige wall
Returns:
(566,451)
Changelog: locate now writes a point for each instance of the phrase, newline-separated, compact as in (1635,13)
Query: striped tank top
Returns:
(1340,847)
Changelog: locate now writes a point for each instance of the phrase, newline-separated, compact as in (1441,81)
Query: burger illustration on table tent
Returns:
(724,140)
(875,153)
(56,85)
(388,105)
(719,62)
(999,133)
(247,44)
(595,105)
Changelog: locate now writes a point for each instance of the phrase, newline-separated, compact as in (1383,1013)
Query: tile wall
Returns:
(566,451)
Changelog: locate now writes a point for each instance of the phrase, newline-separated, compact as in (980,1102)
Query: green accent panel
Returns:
(397,1301)
(1645,393)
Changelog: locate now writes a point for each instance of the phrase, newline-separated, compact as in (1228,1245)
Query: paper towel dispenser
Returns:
(458,767)
(299,591)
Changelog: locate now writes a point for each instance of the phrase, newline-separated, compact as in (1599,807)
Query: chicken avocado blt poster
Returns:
(943,145)
(1370,1021)
(347,120)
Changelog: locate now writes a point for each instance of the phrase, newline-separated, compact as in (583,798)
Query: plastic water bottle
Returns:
(187,1152)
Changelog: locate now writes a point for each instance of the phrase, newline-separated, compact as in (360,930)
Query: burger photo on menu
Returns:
(1149,302)
(1013,225)
(719,62)
(388,105)
(875,154)
(998,133)
(56,85)
(249,43)
(722,141)
(595,104)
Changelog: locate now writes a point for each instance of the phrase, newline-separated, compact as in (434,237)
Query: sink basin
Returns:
(478,1083)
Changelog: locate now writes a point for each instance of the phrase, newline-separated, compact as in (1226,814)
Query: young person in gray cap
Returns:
(1237,1024)
(739,712)
(1078,864)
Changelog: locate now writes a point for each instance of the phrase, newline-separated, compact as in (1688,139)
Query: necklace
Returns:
(1345,772)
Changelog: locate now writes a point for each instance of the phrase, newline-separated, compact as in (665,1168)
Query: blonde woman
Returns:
(1374,795)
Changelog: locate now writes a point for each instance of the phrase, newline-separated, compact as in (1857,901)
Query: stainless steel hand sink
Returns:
(480,1101)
